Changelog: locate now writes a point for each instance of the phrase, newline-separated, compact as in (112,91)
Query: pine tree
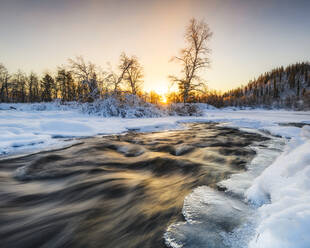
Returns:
(275,90)
(33,84)
(47,86)
(298,88)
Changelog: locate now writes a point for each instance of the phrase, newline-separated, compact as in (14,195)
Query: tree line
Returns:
(77,81)
(282,87)
(85,82)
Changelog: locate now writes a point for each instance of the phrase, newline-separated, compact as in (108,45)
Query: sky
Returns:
(249,37)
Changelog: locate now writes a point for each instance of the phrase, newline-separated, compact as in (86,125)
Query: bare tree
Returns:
(18,87)
(86,74)
(116,79)
(4,88)
(193,59)
(124,65)
(130,74)
(133,73)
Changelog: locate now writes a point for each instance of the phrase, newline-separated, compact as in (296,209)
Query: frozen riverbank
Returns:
(30,127)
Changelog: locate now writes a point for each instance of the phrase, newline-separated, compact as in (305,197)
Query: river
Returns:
(116,191)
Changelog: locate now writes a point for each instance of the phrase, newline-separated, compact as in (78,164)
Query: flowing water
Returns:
(122,190)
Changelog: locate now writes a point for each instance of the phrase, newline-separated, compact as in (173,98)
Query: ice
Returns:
(210,216)
(283,193)
(238,183)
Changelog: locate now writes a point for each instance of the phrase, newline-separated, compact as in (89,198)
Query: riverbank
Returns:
(30,128)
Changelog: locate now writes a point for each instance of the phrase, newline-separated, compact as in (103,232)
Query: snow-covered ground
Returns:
(281,193)
(31,127)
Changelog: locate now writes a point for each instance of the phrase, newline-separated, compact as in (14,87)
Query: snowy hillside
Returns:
(285,88)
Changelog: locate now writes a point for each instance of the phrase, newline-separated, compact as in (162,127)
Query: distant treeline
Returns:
(84,81)
(282,87)
(77,81)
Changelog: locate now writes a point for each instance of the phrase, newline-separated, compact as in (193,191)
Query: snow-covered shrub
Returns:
(205,106)
(129,106)
(125,106)
(188,109)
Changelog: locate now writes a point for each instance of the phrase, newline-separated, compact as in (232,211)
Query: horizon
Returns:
(154,33)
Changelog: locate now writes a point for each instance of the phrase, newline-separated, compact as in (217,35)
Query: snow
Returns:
(31,127)
(281,194)
(238,183)
(31,130)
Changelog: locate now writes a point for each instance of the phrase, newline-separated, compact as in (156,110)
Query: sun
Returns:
(164,99)
(162,90)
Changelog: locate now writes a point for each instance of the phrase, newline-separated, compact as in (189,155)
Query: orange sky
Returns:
(250,37)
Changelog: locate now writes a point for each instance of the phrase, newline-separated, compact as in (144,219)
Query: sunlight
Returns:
(162,90)
(164,99)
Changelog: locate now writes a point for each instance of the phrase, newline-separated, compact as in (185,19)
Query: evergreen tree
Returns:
(47,86)
(33,84)
(298,88)
(275,89)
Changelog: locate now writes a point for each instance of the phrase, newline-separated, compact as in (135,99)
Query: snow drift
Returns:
(283,193)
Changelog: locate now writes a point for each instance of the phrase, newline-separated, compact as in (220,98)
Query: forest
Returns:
(280,88)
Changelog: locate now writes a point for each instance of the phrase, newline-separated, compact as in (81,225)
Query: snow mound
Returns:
(189,109)
(129,107)
(283,193)
(66,128)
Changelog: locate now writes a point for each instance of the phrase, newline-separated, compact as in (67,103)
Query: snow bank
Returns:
(239,183)
(129,107)
(29,127)
(283,193)
(25,131)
